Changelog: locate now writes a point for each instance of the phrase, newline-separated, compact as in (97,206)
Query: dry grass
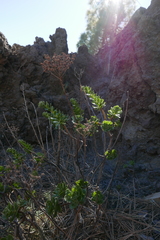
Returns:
(120,218)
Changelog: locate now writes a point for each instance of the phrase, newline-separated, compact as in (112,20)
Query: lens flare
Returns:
(115,2)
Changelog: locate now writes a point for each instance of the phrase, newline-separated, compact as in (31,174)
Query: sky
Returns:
(22,20)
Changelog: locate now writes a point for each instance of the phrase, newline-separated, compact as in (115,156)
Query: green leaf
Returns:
(94,124)
(77,111)
(107,126)
(111,154)
(39,157)
(34,173)
(60,190)
(1,187)
(88,128)
(97,102)
(9,237)
(132,163)
(114,112)
(16,155)
(97,197)
(2,168)
(56,117)
(5,188)
(26,146)
(11,211)
(16,185)
(81,183)
(53,207)
(118,123)
(75,196)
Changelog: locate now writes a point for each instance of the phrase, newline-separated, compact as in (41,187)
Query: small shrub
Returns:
(28,206)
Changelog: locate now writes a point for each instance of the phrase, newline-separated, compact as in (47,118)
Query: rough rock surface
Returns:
(129,69)
(21,74)
(5,49)
(59,39)
(133,72)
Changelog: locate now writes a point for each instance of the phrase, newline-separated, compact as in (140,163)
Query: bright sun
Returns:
(116,2)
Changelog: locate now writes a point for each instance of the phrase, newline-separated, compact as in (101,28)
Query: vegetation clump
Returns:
(105,19)
(54,192)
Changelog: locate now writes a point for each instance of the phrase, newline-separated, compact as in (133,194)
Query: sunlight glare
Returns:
(116,2)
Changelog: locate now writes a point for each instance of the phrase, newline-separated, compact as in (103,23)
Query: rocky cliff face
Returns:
(132,65)
(129,69)
(21,74)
